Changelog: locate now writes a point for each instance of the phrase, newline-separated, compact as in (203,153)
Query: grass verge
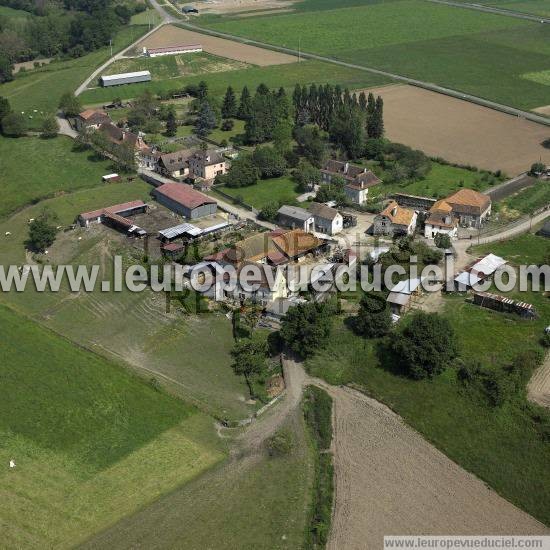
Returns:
(317,407)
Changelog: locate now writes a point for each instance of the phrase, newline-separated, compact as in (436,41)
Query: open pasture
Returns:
(186,352)
(41,89)
(91,442)
(459,48)
(33,168)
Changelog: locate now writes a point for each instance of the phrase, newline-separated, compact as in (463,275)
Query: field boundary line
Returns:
(506,109)
(494,10)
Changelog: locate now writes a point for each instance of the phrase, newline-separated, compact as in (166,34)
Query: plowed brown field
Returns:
(169,35)
(462,132)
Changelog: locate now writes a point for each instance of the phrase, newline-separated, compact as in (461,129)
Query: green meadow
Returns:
(459,48)
(274,76)
(91,442)
(37,92)
(40,168)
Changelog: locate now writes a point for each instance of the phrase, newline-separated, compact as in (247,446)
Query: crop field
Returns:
(91,442)
(173,36)
(163,68)
(462,132)
(468,431)
(274,76)
(535,7)
(40,89)
(459,48)
(47,167)
(528,200)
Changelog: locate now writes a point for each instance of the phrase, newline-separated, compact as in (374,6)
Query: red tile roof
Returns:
(111,209)
(184,194)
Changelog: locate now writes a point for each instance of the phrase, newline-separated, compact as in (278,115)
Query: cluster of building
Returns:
(276,289)
(358,179)
(194,166)
(465,207)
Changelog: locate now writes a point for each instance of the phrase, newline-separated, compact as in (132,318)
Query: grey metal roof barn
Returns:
(125,78)
(295,212)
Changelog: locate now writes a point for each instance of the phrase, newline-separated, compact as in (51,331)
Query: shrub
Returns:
(280,444)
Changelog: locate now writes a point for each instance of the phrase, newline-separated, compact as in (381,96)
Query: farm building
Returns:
(470,207)
(115,216)
(479,271)
(440,220)
(327,220)
(185,200)
(414,201)
(125,78)
(172,50)
(401,294)
(189,9)
(358,179)
(295,218)
(190,231)
(172,250)
(91,119)
(395,220)
(504,304)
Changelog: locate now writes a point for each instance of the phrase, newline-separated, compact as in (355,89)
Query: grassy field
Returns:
(259,503)
(536,7)
(458,48)
(273,76)
(188,353)
(523,250)
(265,191)
(46,168)
(170,67)
(502,445)
(441,181)
(91,443)
(13,14)
(150,16)
(39,90)
(528,200)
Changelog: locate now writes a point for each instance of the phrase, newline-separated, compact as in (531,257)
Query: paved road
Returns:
(491,9)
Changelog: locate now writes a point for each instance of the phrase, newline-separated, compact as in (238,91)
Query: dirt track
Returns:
(460,131)
(389,480)
(538,389)
(170,35)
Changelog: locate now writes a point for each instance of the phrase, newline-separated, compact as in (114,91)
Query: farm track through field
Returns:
(492,9)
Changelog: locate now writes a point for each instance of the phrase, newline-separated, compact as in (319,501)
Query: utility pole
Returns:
(299,49)
(111,45)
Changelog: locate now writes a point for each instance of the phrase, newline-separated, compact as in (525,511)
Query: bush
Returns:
(14,125)
(426,346)
(442,240)
(227,125)
(280,444)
